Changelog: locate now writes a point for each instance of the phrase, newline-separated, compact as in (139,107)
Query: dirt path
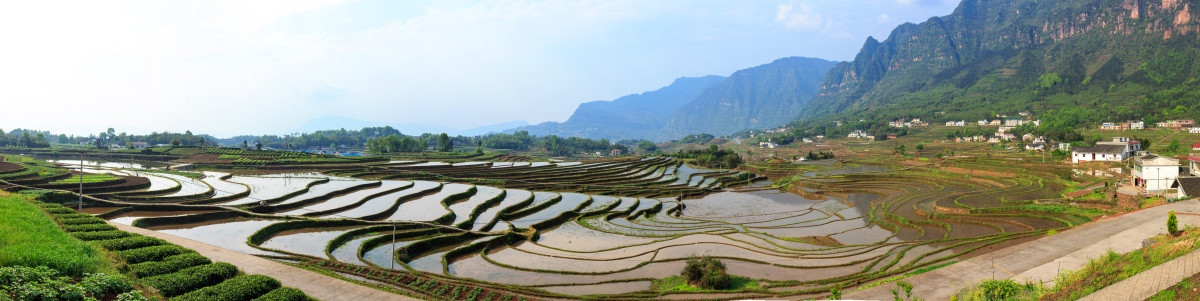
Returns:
(1040,260)
(312,283)
(1146,284)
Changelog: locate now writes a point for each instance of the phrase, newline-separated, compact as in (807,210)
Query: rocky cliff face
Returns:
(995,33)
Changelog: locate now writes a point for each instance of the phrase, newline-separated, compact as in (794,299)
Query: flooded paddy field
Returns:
(605,228)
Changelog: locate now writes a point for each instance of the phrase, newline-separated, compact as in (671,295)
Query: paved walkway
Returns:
(1040,260)
(312,283)
(1150,282)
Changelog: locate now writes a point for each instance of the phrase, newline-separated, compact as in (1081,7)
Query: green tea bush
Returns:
(80,220)
(192,278)
(126,243)
(244,287)
(284,294)
(168,265)
(101,235)
(88,227)
(152,253)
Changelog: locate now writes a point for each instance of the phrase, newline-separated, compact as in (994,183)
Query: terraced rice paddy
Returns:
(610,229)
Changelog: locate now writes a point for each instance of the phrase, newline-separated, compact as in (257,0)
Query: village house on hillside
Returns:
(1137,125)
(1177,124)
(1154,173)
(1193,165)
(1117,150)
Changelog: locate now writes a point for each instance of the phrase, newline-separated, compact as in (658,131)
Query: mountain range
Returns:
(760,97)
(1103,59)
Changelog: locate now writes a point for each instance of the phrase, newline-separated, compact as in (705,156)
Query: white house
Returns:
(956,123)
(767,144)
(1137,125)
(1194,130)
(1099,152)
(983,122)
(1153,173)
(1014,122)
(995,122)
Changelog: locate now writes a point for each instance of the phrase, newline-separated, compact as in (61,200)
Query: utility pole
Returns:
(393,246)
(81,181)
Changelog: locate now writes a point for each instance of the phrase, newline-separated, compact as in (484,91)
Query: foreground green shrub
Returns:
(126,243)
(244,287)
(1172,224)
(105,284)
(152,253)
(284,294)
(43,283)
(706,272)
(192,278)
(168,265)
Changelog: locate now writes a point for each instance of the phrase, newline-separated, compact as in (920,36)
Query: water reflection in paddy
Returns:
(229,233)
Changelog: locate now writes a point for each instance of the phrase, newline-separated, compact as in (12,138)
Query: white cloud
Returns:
(799,18)
(883,18)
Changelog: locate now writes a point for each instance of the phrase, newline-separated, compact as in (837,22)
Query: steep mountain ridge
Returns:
(1000,57)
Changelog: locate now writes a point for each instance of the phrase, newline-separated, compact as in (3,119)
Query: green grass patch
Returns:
(87,178)
(679,284)
(31,238)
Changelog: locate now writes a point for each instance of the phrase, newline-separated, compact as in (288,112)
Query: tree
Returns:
(900,149)
(258,145)
(175,142)
(920,147)
(706,272)
(1174,147)
(443,143)
(647,146)
(245,144)
(1172,223)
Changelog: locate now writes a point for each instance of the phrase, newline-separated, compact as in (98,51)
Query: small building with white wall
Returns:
(1154,173)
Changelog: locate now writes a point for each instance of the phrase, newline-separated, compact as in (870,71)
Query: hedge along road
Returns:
(312,283)
(1040,260)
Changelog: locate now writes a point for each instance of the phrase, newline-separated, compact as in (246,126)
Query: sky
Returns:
(266,67)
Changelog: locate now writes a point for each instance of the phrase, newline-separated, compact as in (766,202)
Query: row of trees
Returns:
(23,138)
(555,145)
(712,157)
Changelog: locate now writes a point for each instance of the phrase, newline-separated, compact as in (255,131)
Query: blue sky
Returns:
(253,67)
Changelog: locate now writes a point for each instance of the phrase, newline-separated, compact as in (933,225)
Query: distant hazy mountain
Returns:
(759,97)
(494,128)
(632,116)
